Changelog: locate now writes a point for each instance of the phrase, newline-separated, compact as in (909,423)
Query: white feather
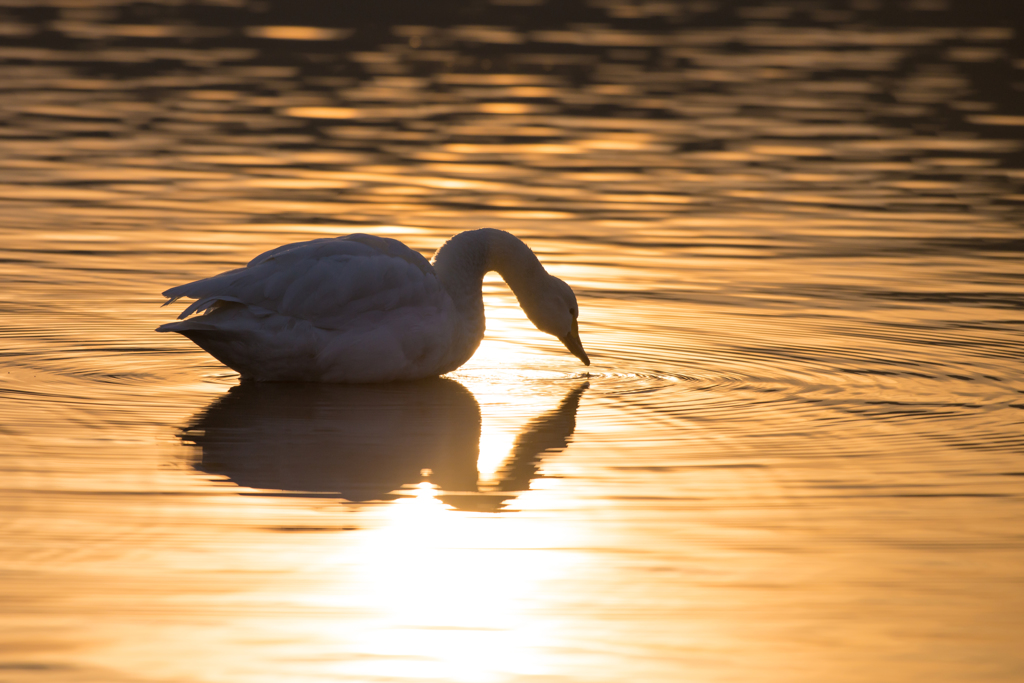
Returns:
(358,308)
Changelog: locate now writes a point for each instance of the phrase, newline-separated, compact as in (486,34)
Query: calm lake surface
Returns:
(794,230)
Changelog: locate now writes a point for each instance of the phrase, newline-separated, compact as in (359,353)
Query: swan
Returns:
(363,309)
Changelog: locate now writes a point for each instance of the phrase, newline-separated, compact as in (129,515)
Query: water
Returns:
(794,231)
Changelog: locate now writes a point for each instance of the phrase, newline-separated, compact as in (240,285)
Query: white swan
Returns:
(363,308)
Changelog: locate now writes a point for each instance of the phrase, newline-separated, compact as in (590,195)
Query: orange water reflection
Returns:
(365,443)
(794,232)
(454,598)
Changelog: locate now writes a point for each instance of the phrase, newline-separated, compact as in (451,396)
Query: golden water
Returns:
(795,237)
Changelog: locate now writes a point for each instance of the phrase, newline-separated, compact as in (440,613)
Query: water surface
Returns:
(795,234)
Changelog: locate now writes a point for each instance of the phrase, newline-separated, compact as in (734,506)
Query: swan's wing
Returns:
(329,282)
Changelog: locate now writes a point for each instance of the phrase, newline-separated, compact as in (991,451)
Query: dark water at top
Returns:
(794,229)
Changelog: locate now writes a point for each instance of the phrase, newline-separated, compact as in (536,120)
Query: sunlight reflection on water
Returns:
(794,231)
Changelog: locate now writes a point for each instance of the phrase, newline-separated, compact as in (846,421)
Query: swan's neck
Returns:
(462,262)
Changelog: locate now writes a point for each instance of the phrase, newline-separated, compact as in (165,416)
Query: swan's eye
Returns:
(575,312)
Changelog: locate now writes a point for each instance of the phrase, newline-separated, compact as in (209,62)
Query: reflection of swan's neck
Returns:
(462,262)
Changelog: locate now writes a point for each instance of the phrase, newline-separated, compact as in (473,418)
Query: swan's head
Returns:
(552,308)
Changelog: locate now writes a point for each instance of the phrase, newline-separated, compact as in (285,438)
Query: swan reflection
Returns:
(364,442)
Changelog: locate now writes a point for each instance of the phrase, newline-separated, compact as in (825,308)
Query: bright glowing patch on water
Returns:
(452,596)
(297,32)
(495,446)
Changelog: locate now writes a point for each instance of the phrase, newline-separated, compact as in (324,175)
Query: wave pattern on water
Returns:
(794,232)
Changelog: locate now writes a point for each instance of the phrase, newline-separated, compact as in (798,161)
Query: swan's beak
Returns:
(573,343)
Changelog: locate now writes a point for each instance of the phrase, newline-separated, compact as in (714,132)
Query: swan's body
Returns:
(362,308)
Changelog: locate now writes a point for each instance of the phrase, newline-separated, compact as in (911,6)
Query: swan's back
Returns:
(358,308)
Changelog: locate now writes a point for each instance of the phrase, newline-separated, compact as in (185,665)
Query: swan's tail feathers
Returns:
(224,345)
(206,323)
(187,327)
(175,293)
(225,316)
(205,292)
(209,303)
(203,304)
